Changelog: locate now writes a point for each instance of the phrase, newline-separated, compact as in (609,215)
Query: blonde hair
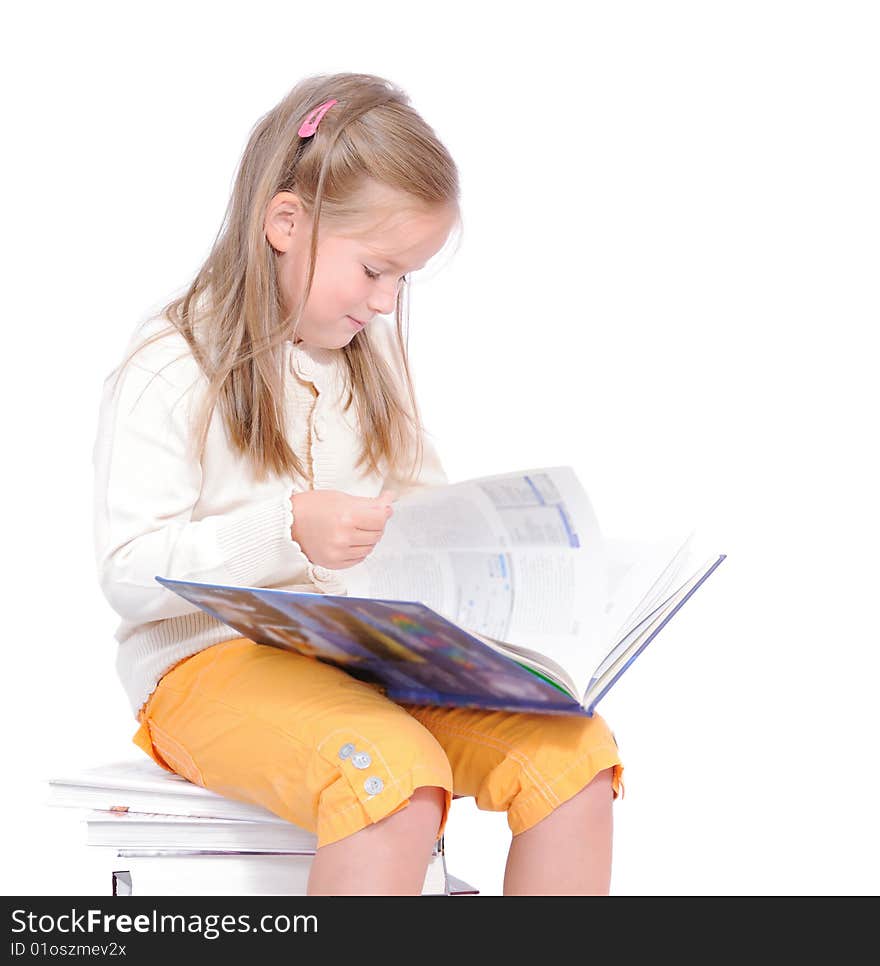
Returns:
(232,314)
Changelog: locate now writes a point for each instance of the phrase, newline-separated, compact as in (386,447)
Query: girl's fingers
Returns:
(362,535)
(367,533)
(361,538)
(351,562)
(371,518)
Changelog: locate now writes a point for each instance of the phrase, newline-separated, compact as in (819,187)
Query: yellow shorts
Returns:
(332,754)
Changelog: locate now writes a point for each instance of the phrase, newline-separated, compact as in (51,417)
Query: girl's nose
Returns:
(383,299)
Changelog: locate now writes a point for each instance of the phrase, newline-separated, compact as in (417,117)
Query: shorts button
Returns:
(360,759)
(346,750)
(373,785)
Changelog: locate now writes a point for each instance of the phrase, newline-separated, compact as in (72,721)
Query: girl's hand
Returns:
(337,530)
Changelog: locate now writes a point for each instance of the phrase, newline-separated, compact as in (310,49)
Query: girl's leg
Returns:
(568,853)
(389,858)
(554,775)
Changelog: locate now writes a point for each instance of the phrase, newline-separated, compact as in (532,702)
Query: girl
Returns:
(258,433)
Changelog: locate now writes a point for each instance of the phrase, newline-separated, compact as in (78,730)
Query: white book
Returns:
(142,830)
(136,804)
(142,786)
(139,830)
(164,873)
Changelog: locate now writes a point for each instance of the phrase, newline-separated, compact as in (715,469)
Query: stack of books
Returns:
(174,838)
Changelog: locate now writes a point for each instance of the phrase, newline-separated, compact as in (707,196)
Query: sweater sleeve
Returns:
(147,483)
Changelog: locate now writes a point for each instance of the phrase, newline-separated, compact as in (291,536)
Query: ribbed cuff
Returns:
(327,581)
(256,543)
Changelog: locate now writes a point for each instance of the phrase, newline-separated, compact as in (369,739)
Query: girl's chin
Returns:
(330,336)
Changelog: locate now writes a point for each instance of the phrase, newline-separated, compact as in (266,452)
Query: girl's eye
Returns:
(375,275)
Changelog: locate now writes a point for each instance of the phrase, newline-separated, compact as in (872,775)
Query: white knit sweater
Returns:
(158,512)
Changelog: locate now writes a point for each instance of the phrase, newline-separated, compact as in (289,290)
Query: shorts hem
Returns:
(342,823)
(528,811)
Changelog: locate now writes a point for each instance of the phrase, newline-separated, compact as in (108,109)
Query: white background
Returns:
(668,279)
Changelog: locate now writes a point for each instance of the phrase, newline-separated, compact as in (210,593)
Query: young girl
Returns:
(258,433)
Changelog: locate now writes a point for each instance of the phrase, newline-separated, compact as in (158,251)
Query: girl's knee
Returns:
(432,802)
(426,809)
(431,795)
(599,791)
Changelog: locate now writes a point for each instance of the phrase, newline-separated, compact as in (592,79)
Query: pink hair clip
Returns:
(310,124)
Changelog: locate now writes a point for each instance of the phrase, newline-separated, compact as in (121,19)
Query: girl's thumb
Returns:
(390,495)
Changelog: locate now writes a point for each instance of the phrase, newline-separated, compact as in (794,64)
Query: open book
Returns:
(498,592)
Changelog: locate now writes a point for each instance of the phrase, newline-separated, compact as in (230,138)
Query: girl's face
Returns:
(357,276)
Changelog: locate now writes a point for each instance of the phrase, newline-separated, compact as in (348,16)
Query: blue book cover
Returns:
(416,655)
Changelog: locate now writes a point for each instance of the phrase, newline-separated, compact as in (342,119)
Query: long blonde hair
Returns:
(232,315)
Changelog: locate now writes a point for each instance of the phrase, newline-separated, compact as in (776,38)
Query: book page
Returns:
(527,509)
(508,596)
(540,662)
(137,774)
(516,557)
(640,575)
(643,632)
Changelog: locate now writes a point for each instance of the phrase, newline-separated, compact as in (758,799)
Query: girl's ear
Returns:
(282,216)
